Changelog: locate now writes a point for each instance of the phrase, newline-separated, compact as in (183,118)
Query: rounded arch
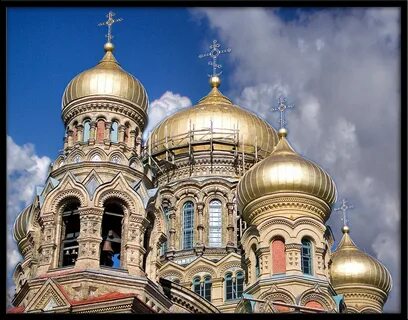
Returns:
(200,271)
(57,196)
(321,298)
(116,157)
(102,196)
(310,233)
(171,274)
(278,232)
(280,295)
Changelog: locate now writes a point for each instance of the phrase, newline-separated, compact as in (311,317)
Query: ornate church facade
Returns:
(216,212)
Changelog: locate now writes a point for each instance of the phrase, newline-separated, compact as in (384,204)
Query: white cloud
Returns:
(25,170)
(341,70)
(166,105)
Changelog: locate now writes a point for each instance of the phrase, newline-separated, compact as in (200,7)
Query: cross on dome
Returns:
(214,53)
(343,208)
(109,23)
(282,106)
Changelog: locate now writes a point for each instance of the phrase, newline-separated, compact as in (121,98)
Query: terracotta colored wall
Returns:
(278,256)
(314,304)
(75,134)
(100,131)
(281,308)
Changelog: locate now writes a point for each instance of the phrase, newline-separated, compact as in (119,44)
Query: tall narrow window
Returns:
(229,288)
(306,256)
(69,234)
(215,224)
(100,131)
(111,235)
(188,225)
(87,130)
(278,256)
(240,284)
(207,288)
(114,132)
(197,285)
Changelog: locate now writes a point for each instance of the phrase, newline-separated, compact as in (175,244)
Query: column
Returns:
(264,254)
(134,245)
(200,225)
(138,145)
(293,261)
(70,138)
(106,136)
(132,139)
(80,133)
(121,133)
(318,263)
(230,227)
(89,239)
(92,133)
(172,233)
(48,244)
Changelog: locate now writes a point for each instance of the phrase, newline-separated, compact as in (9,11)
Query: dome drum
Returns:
(290,204)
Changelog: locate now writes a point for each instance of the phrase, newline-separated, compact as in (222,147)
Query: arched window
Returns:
(278,256)
(188,225)
(69,234)
(306,256)
(203,288)
(215,224)
(87,130)
(234,286)
(114,132)
(100,131)
(111,235)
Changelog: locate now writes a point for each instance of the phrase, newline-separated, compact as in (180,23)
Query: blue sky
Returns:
(339,67)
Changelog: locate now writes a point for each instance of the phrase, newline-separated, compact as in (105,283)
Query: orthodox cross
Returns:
(282,106)
(214,53)
(344,207)
(109,23)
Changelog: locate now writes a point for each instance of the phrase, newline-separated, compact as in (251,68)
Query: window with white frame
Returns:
(188,225)
(215,224)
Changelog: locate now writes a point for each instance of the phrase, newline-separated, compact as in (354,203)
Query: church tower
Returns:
(286,200)
(93,225)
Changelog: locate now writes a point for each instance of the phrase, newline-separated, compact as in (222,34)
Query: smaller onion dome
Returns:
(21,224)
(285,171)
(353,269)
(107,78)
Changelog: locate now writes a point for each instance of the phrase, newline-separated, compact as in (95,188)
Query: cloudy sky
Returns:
(340,67)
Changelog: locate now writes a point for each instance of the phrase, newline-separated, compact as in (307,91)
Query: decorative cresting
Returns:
(362,279)
(107,78)
(285,172)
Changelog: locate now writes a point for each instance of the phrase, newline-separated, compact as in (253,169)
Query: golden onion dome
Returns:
(107,78)
(352,268)
(285,171)
(215,111)
(21,224)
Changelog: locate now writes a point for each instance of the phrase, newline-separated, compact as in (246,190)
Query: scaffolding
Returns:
(163,152)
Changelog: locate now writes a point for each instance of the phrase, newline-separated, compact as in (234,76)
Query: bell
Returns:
(107,246)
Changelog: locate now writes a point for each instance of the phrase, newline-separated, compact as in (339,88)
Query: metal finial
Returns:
(282,106)
(343,208)
(109,23)
(214,53)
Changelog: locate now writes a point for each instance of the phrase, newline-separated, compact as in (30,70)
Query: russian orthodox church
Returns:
(215,213)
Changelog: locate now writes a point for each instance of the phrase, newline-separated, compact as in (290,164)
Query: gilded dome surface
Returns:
(107,78)
(216,111)
(351,267)
(21,224)
(285,171)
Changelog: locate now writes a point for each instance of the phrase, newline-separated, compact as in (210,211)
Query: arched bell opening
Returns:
(70,227)
(111,244)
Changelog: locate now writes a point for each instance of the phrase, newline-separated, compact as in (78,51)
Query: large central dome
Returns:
(215,117)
